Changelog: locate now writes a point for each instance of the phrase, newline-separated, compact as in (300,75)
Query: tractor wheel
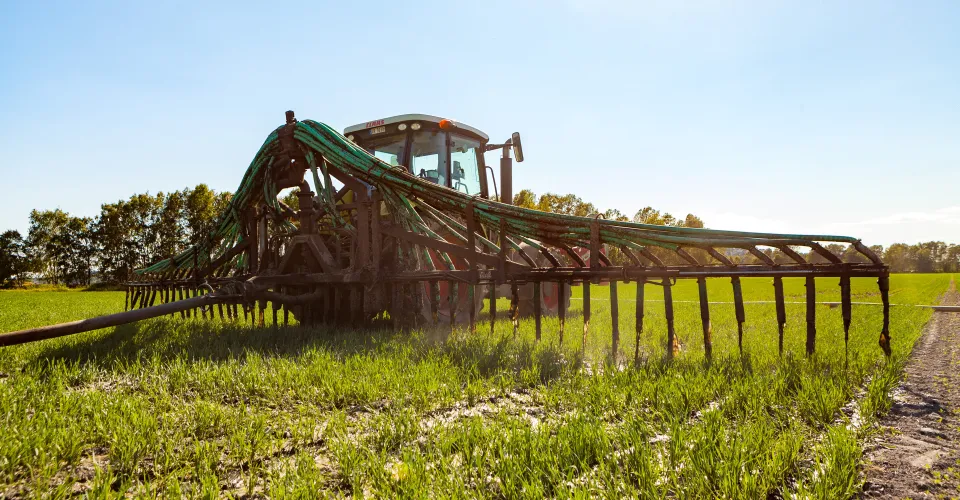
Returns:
(549,298)
(549,291)
(462,291)
(446,289)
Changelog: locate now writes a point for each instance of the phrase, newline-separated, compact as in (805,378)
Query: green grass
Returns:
(170,407)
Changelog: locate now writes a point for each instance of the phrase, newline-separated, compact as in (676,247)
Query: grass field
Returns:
(169,407)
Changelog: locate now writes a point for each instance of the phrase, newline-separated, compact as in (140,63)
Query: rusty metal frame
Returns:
(354,261)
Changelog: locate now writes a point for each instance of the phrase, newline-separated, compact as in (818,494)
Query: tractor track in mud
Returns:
(917,452)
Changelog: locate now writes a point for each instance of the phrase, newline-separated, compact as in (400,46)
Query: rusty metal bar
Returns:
(793,255)
(262,304)
(562,308)
(186,296)
(536,309)
(273,309)
(595,245)
(673,344)
(586,313)
(330,301)
(781,310)
(337,305)
(639,318)
(471,221)
(375,230)
(86,325)
(827,254)
(453,300)
(811,316)
(515,309)
(493,307)
(719,257)
(866,251)
(762,257)
(502,267)
(614,320)
(846,311)
(705,319)
(434,288)
(472,298)
(884,283)
(184,313)
(738,310)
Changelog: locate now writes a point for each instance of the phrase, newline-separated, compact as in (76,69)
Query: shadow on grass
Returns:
(166,339)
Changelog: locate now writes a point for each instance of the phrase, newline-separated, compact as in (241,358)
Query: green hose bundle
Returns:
(405,193)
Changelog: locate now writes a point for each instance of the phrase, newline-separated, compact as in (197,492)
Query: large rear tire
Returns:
(550,298)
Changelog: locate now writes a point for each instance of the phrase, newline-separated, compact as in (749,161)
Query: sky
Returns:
(800,117)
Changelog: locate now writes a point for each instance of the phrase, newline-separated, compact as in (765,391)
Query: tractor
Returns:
(400,226)
(451,154)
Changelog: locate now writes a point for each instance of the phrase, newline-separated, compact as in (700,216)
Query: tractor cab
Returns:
(436,149)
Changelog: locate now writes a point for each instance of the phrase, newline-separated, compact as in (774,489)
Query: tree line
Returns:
(62,249)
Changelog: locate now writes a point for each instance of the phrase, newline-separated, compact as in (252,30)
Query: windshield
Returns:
(388,148)
(465,173)
(427,158)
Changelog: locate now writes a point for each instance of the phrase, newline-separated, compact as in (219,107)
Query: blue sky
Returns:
(839,117)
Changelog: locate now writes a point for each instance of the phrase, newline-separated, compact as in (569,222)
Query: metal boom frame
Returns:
(382,244)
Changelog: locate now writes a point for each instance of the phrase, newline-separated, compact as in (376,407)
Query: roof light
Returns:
(350,137)
(402,127)
(446,124)
(415,126)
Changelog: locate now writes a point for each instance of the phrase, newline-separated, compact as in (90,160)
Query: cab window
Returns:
(464,170)
(428,158)
(388,148)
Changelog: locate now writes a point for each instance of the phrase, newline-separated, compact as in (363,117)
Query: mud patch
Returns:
(918,449)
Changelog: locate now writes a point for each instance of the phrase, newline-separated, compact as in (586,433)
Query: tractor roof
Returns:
(410,118)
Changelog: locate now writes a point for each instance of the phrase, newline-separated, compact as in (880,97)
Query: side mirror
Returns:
(517,147)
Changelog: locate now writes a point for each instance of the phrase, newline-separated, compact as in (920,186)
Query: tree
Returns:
(568,204)
(146,213)
(201,211)
(13,259)
(220,202)
(76,248)
(60,247)
(113,231)
(169,228)
(525,199)
(692,221)
(951,261)
(647,215)
(134,233)
(45,256)
(614,214)
(292,199)
(898,257)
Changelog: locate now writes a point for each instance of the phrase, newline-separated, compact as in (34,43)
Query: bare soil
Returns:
(917,453)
